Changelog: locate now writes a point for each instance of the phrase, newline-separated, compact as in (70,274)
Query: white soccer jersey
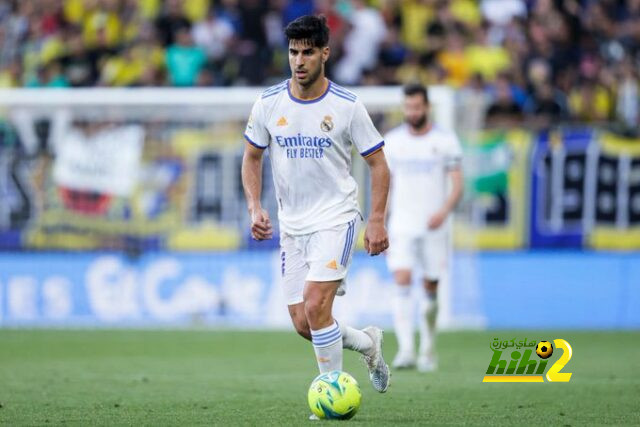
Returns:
(419,165)
(310,145)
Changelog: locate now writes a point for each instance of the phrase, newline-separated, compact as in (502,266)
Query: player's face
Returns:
(416,110)
(306,62)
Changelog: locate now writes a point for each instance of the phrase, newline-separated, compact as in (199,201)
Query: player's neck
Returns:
(422,130)
(315,90)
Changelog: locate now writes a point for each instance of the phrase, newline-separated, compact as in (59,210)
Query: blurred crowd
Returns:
(545,61)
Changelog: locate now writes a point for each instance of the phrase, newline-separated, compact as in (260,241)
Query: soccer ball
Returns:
(334,395)
(544,349)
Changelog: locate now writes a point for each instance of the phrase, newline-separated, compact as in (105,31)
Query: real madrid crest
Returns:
(327,124)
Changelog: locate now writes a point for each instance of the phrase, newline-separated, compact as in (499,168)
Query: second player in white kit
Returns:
(423,158)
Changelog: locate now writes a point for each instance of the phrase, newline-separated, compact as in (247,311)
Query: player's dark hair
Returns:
(309,28)
(417,89)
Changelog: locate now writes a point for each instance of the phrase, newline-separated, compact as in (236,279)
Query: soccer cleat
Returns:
(427,363)
(404,361)
(313,417)
(378,369)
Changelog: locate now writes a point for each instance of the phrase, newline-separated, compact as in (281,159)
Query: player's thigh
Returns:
(329,252)
(293,270)
(401,255)
(435,253)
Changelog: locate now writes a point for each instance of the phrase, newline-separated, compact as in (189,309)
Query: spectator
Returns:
(504,111)
(295,9)
(589,101)
(454,61)
(215,35)
(628,105)
(171,22)
(80,65)
(184,59)
(252,48)
(546,106)
(123,69)
(10,75)
(51,76)
(473,101)
(415,16)
(484,58)
(501,12)
(362,43)
(102,24)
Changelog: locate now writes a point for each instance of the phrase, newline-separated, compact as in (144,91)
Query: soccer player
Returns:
(309,124)
(422,158)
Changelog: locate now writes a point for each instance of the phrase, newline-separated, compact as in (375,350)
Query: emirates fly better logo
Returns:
(525,361)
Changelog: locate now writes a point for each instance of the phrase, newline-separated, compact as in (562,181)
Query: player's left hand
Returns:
(375,238)
(437,220)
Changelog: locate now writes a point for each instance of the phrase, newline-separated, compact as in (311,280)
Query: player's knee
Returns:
(313,308)
(402,277)
(316,309)
(431,286)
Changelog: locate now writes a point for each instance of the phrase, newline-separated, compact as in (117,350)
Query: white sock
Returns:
(327,343)
(403,319)
(428,314)
(354,339)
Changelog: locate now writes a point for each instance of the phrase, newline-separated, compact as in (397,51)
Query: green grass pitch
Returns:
(51,377)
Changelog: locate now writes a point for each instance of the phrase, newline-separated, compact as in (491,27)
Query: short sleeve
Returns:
(364,134)
(453,153)
(256,132)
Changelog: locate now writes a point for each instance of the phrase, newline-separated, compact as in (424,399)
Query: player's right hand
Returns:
(260,224)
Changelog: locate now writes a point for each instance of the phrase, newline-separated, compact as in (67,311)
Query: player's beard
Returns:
(418,123)
(311,78)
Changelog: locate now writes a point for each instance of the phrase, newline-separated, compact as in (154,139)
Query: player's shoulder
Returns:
(272,92)
(341,94)
(437,129)
(397,132)
(443,134)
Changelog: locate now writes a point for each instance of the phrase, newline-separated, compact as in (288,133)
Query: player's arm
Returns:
(252,183)
(375,237)
(455,176)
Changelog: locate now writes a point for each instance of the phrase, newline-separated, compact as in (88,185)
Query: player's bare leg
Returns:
(403,320)
(428,313)
(299,320)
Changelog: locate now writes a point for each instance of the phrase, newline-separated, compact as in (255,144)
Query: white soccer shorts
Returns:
(428,251)
(322,256)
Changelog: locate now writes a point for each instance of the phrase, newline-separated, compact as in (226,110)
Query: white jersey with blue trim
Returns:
(310,145)
(419,166)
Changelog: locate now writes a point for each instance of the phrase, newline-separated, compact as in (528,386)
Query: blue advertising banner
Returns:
(546,289)
(226,289)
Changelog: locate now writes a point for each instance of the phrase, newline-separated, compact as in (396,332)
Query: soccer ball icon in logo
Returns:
(544,349)
(334,395)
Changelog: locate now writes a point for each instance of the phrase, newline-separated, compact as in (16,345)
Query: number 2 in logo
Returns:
(554,374)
